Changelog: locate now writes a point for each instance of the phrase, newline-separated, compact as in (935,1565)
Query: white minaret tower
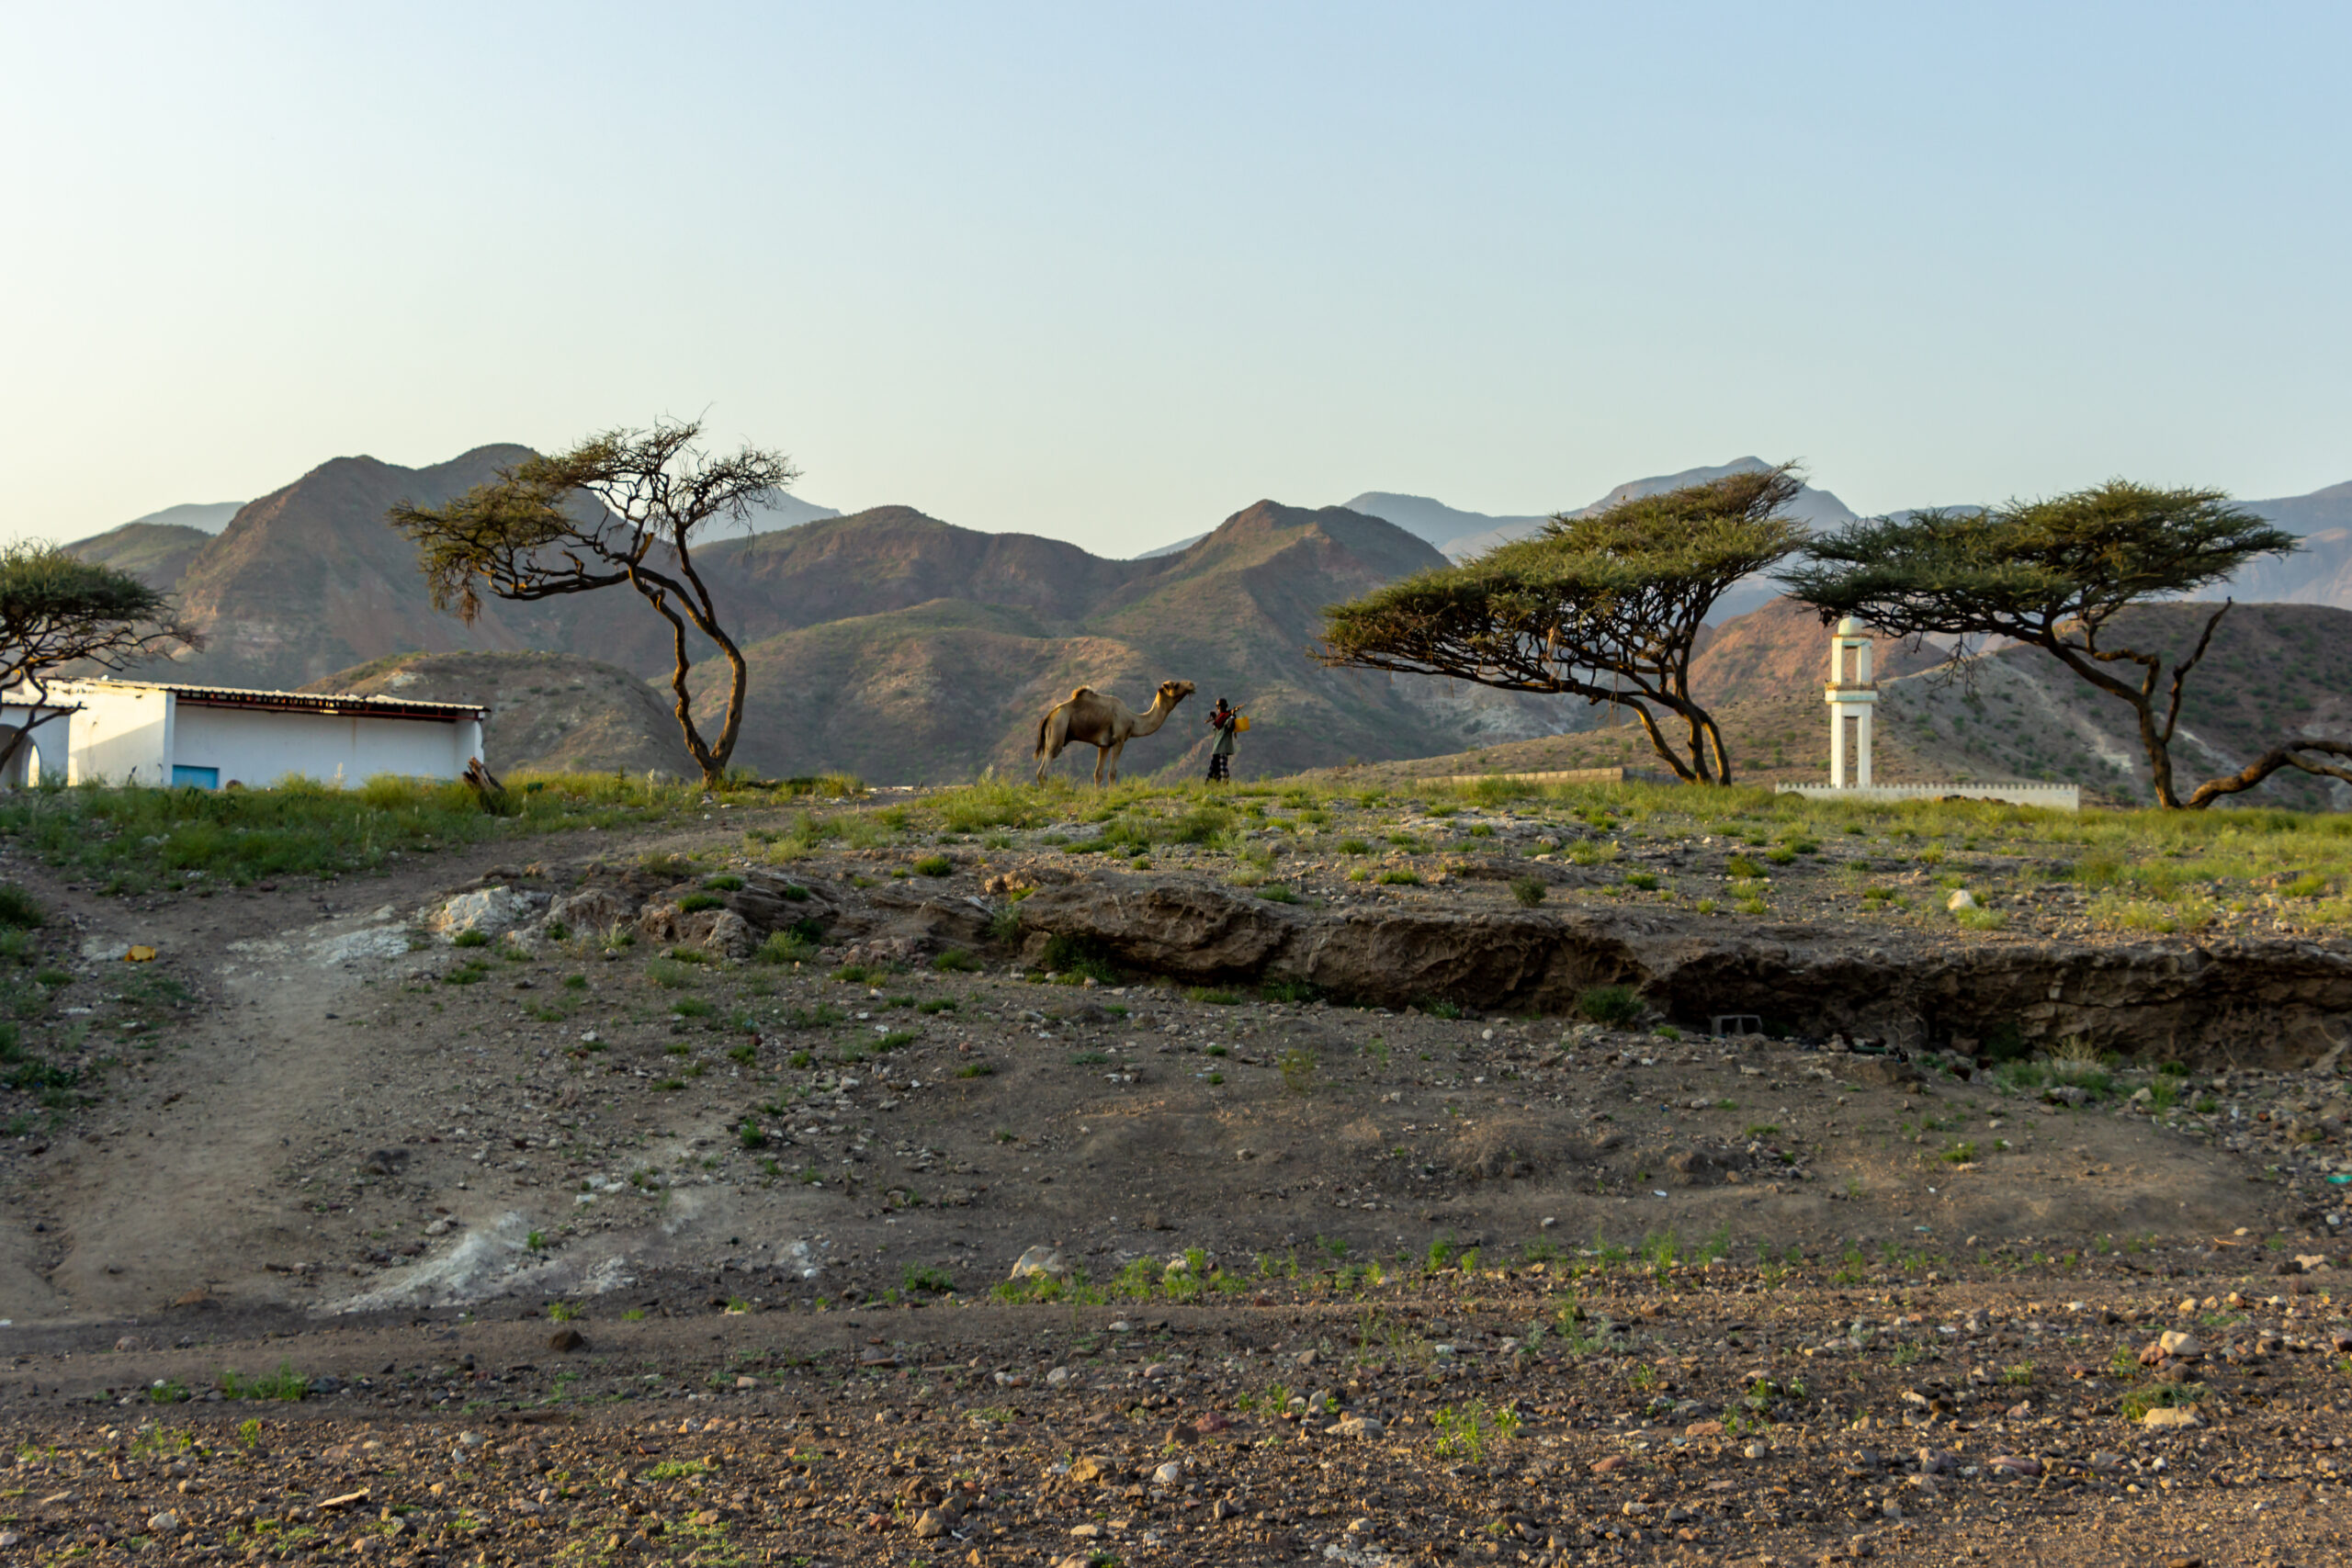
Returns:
(1849,698)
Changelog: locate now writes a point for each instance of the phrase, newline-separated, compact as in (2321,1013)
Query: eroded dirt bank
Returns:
(2272,1002)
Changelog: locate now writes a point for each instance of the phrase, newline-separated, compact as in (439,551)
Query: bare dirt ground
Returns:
(1381,1284)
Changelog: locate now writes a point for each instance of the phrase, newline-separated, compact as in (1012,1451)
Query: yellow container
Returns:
(1241,725)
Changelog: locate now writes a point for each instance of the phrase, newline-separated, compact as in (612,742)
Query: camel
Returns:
(1104,723)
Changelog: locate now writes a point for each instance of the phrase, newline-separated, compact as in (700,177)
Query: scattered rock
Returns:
(1041,1261)
(567,1339)
(593,911)
(489,910)
(2171,1416)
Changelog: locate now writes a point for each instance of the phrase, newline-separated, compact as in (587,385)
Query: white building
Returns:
(43,756)
(141,732)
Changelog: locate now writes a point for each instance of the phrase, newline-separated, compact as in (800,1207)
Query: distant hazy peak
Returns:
(209,516)
(784,510)
(1817,507)
(1429,518)
(1178,548)
(1462,534)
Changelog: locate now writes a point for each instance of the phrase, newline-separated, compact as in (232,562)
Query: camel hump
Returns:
(1081,693)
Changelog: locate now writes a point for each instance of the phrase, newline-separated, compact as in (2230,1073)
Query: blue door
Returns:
(202,778)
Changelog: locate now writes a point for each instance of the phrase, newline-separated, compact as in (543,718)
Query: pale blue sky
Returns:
(1110,273)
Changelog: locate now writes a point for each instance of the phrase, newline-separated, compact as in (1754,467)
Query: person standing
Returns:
(1226,722)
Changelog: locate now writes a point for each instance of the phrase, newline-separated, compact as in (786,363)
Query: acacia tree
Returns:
(627,506)
(58,610)
(1604,607)
(2054,574)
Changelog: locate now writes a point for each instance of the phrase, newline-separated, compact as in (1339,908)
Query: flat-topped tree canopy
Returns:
(2054,573)
(1606,606)
(57,610)
(623,506)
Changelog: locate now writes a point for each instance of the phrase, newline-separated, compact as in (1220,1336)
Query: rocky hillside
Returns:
(308,580)
(158,554)
(941,688)
(2273,671)
(548,712)
(1782,647)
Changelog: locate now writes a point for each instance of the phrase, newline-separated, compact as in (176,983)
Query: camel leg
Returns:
(1102,756)
(1113,754)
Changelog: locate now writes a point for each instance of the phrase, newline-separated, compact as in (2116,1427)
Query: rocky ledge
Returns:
(2273,1003)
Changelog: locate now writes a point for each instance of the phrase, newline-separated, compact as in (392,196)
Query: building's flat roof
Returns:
(351,702)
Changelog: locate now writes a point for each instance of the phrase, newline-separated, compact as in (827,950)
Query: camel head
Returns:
(1172,693)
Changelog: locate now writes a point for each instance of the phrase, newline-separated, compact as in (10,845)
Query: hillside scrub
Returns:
(1723,852)
(132,840)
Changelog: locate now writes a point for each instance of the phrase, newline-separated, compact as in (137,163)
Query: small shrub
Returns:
(1297,1067)
(1614,1005)
(933,865)
(695,901)
(669,973)
(18,908)
(1080,955)
(1209,997)
(786,947)
(1399,876)
(955,960)
(471,938)
(726,882)
(1643,880)
(1277,894)
(284,1384)
(1528,890)
(2138,1401)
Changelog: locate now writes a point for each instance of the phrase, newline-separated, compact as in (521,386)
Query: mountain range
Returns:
(909,649)
(887,642)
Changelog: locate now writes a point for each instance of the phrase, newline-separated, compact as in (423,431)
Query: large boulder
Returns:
(593,911)
(1168,927)
(489,910)
(1401,957)
(720,933)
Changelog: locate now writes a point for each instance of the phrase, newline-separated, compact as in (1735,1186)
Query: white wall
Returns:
(259,746)
(123,734)
(46,749)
